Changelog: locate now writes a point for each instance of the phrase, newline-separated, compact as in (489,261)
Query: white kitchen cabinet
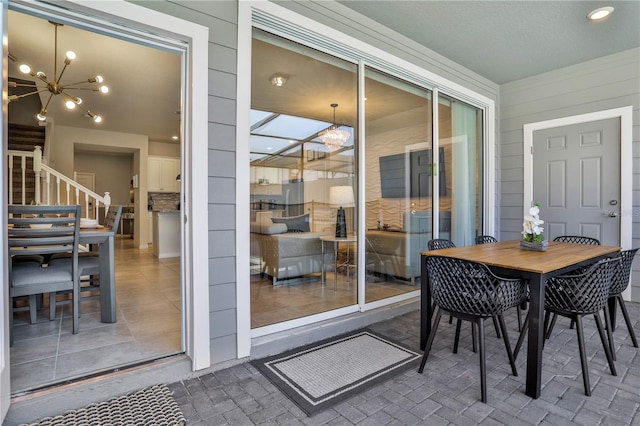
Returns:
(162,172)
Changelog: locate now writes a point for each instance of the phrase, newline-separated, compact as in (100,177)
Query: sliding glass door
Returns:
(398,188)
(303,177)
(305,184)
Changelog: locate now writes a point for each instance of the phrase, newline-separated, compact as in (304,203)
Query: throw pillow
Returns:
(294,223)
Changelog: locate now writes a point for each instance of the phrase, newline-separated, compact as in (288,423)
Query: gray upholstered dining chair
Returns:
(89,261)
(575,296)
(471,293)
(43,231)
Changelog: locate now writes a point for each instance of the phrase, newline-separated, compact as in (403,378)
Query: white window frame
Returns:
(298,28)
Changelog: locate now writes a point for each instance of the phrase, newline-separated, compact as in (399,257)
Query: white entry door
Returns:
(576,179)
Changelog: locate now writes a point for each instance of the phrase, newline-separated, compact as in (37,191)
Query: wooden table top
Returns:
(508,254)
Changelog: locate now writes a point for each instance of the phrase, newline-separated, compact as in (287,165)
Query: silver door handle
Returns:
(612,214)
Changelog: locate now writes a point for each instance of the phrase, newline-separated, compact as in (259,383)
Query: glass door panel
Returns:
(460,171)
(398,192)
(303,177)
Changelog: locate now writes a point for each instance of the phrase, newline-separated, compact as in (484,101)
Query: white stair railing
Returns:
(51,186)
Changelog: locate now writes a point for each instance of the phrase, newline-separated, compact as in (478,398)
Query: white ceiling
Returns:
(508,40)
(144,82)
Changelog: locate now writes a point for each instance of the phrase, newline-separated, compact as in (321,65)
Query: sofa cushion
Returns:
(267,228)
(294,223)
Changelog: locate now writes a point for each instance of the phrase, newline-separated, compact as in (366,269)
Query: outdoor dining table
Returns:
(104,238)
(508,259)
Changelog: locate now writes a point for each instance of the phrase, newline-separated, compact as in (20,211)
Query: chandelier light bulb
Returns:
(42,115)
(70,55)
(70,104)
(97,119)
(78,101)
(99,78)
(104,89)
(25,69)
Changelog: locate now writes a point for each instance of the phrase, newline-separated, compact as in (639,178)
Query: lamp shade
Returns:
(341,196)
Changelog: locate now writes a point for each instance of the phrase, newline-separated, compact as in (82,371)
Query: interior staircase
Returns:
(24,138)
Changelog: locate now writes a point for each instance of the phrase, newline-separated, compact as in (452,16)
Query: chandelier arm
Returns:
(47,105)
(24,95)
(62,72)
(77,82)
(66,87)
(21,85)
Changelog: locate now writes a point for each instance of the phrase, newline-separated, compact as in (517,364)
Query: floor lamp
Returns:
(341,196)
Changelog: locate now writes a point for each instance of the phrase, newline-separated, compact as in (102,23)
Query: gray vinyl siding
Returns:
(604,83)
(221,17)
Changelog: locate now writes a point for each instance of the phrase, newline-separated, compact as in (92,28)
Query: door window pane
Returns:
(460,166)
(398,192)
(298,267)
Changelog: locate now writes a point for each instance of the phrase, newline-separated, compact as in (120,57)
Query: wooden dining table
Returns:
(104,239)
(508,259)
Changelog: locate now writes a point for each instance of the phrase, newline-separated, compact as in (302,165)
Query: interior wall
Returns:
(164,149)
(112,173)
(62,158)
(609,82)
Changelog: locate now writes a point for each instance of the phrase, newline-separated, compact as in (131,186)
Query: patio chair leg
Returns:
(519,313)
(521,337)
(483,365)
(507,345)
(548,326)
(583,357)
(607,325)
(427,348)
(456,340)
(605,345)
(473,337)
(625,314)
(495,325)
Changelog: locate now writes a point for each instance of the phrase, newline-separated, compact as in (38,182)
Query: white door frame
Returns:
(195,274)
(625,114)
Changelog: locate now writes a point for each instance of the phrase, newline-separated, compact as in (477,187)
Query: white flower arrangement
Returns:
(532,231)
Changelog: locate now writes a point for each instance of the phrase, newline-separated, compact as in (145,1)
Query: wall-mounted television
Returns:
(393,174)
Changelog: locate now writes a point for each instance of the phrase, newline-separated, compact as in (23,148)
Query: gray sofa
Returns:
(284,255)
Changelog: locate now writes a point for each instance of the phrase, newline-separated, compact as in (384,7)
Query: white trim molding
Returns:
(283,22)
(124,19)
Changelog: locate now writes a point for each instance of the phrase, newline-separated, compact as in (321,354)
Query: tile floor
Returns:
(148,326)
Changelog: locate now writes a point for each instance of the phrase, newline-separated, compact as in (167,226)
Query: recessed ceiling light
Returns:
(600,13)
(279,79)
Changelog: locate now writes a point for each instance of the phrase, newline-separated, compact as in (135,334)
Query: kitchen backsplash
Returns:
(164,201)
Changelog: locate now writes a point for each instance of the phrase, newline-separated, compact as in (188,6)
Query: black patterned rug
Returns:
(150,406)
(325,373)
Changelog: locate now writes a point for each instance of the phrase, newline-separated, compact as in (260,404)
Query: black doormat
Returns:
(150,406)
(325,373)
